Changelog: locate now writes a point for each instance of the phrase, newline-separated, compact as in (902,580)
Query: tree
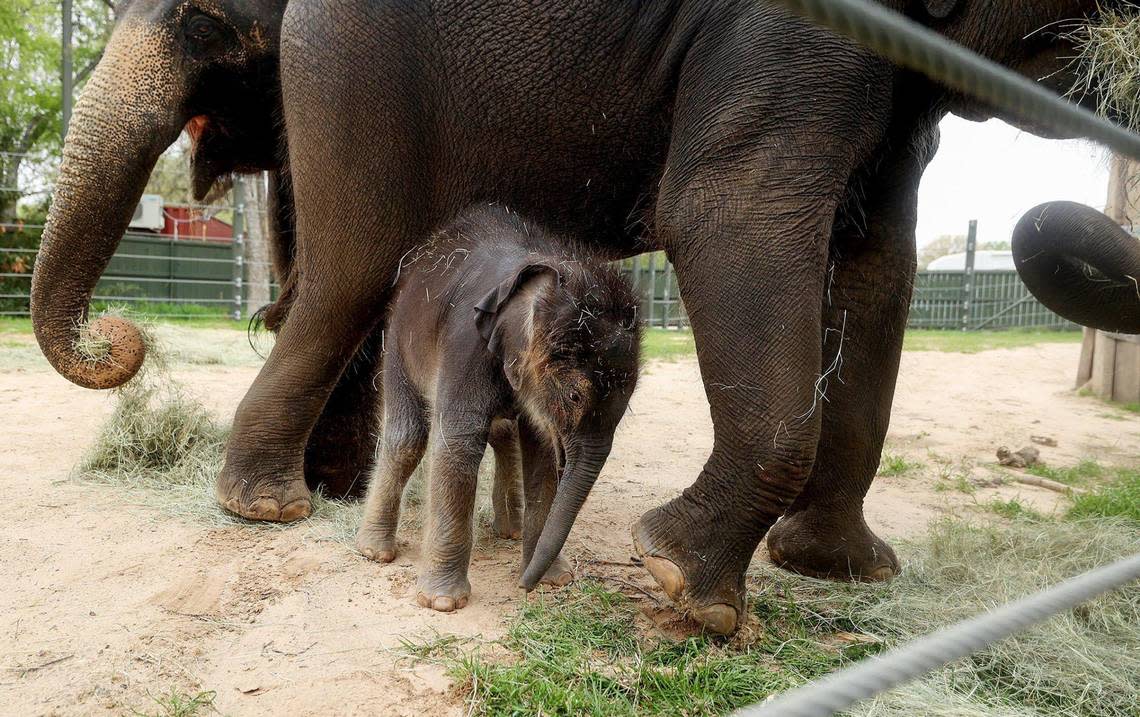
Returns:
(953,244)
(31,91)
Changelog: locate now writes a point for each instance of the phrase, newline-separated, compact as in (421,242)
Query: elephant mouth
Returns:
(211,159)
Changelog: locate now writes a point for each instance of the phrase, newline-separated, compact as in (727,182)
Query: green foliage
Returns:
(581,653)
(587,651)
(893,465)
(178,704)
(30,88)
(23,240)
(1118,498)
(1013,509)
(1081,474)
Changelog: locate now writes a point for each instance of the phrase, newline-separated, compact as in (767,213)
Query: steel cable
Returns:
(868,678)
(910,45)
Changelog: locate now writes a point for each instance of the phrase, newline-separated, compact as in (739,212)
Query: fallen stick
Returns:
(1045,483)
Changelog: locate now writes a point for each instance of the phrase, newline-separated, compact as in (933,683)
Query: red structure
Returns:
(195,223)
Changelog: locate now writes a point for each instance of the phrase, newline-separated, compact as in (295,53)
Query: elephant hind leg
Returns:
(506,495)
(824,534)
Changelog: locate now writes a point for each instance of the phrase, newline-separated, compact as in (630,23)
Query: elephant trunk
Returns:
(128,114)
(584,461)
(1081,265)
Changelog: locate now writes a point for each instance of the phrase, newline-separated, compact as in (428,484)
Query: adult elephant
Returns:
(1081,265)
(213,70)
(776,163)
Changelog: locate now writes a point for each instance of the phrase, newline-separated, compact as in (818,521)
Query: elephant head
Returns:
(1040,39)
(207,66)
(570,340)
(1081,265)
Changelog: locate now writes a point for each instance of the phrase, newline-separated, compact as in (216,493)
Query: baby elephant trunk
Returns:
(584,460)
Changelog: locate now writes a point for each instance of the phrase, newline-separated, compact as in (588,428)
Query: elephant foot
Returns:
(831,545)
(695,568)
(376,544)
(443,591)
(278,501)
(507,525)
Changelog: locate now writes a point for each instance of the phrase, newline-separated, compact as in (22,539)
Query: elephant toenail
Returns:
(422,600)
(296,510)
(667,575)
(719,618)
(264,509)
(443,604)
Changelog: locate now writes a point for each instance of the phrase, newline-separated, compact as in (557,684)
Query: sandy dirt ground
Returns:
(106,602)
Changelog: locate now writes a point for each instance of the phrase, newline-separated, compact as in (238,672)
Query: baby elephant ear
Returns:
(940,9)
(490,308)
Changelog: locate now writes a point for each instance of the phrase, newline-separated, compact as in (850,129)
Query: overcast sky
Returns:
(994,173)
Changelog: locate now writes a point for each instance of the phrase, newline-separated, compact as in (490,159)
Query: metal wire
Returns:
(868,678)
(915,47)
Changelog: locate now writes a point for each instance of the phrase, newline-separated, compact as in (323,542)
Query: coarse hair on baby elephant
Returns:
(496,321)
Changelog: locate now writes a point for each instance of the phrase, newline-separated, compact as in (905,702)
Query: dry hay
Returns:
(1082,662)
(1108,63)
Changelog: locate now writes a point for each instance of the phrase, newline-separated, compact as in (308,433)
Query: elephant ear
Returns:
(489,310)
(940,9)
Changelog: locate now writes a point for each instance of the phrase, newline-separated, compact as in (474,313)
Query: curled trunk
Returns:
(584,461)
(1081,265)
(128,114)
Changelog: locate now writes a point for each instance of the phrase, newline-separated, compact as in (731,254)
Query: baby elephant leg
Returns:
(456,453)
(402,446)
(506,496)
(540,481)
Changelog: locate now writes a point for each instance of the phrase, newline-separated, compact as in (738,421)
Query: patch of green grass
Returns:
(587,651)
(581,653)
(1013,509)
(972,342)
(178,704)
(1118,498)
(667,344)
(894,465)
(1083,473)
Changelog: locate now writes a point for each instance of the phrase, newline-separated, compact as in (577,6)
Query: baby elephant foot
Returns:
(261,498)
(443,591)
(830,545)
(376,543)
(700,574)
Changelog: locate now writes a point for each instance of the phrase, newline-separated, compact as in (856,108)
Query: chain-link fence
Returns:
(190,261)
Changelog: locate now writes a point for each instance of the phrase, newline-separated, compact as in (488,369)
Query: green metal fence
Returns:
(183,278)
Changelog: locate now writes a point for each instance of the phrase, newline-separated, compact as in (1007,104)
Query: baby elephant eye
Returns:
(574,397)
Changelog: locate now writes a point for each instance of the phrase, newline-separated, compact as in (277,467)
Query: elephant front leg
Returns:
(263,477)
(341,450)
(824,533)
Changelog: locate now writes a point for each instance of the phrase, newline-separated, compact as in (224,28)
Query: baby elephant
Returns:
(493,321)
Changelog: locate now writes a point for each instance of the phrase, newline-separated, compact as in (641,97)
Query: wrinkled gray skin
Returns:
(1080,264)
(495,322)
(775,163)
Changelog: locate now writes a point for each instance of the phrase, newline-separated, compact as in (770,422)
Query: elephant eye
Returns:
(574,397)
(202,30)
